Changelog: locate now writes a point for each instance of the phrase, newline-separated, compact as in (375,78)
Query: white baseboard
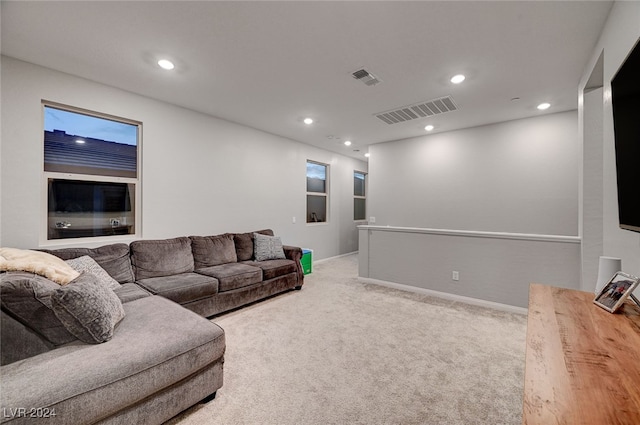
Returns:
(331,258)
(447,296)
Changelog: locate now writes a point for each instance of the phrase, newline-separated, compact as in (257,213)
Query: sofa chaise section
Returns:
(159,350)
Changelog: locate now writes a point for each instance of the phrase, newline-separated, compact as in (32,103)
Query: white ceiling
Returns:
(268,65)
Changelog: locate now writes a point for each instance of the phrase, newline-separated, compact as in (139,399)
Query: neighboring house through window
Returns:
(359,196)
(317,192)
(91,173)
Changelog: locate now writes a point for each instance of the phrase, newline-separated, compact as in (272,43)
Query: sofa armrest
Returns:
(292,252)
(295,253)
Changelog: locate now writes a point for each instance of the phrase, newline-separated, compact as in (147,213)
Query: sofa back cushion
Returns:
(213,250)
(244,243)
(165,257)
(27,298)
(113,258)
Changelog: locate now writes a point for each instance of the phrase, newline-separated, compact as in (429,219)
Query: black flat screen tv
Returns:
(625,100)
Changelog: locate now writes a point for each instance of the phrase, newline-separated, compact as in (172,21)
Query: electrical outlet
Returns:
(372,219)
(293,220)
(455,276)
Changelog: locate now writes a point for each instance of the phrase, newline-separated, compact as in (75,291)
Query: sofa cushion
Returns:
(27,297)
(130,291)
(113,258)
(156,258)
(41,263)
(244,243)
(89,265)
(156,345)
(88,309)
(181,288)
(267,248)
(274,268)
(213,250)
(19,341)
(233,275)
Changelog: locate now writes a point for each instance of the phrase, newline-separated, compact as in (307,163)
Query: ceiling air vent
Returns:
(418,110)
(366,77)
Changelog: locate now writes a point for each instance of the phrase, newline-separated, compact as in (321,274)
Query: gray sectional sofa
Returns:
(163,355)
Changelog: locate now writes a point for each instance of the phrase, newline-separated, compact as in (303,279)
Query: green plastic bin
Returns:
(307,261)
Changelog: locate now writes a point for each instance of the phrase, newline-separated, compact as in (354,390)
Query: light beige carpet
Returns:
(343,352)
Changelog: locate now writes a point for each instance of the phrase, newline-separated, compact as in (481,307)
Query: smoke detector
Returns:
(366,77)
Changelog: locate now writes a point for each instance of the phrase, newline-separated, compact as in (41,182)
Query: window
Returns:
(359,196)
(91,173)
(317,192)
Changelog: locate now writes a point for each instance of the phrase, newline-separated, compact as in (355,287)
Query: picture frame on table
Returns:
(613,294)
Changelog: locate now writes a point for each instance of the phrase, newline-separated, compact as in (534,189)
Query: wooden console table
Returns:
(582,363)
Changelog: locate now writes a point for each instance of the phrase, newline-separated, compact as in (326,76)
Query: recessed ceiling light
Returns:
(457,79)
(367,154)
(347,142)
(544,106)
(80,141)
(166,64)
(429,127)
(308,121)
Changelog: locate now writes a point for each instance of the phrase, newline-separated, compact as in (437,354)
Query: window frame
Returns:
(324,194)
(364,197)
(47,175)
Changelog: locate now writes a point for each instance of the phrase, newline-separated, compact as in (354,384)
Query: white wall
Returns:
(508,195)
(591,190)
(518,176)
(617,39)
(200,175)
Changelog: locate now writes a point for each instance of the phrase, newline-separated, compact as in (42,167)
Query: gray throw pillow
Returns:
(89,265)
(267,248)
(244,243)
(88,310)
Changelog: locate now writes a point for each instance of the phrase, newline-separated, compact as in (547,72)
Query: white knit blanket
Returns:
(40,263)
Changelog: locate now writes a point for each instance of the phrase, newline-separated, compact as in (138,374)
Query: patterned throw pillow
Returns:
(88,309)
(89,265)
(267,248)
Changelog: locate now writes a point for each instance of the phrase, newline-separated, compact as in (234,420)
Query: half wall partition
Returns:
(493,268)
